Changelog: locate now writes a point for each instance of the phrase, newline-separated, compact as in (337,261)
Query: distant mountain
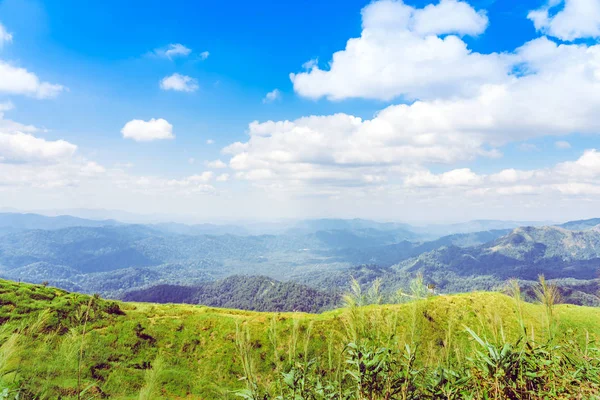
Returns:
(390,254)
(201,229)
(258,293)
(342,233)
(314,225)
(110,258)
(523,253)
(14,222)
(439,230)
(581,225)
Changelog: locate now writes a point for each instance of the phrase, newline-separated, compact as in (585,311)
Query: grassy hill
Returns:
(56,344)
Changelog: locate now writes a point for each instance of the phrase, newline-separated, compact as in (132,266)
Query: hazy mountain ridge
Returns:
(113,259)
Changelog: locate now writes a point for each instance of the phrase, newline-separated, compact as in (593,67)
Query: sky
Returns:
(259,110)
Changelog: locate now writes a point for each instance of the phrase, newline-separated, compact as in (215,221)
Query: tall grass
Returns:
(379,363)
(548,295)
(150,390)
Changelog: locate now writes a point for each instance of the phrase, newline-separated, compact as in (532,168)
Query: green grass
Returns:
(138,350)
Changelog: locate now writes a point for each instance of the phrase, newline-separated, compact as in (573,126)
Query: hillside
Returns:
(178,351)
(256,293)
(524,253)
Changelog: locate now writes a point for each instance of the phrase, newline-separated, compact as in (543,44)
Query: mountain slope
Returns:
(258,293)
(523,253)
(194,352)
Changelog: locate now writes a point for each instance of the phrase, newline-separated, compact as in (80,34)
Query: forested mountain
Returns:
(524,253)
(258,293)
(114,258)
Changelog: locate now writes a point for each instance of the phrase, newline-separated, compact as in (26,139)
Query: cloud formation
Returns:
(146,131)
(16,80)
(577,19)
(22,147)
(179,83)
(173,50)
(405,51)
(272,96)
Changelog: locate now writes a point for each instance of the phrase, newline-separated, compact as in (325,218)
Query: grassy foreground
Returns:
(55,344)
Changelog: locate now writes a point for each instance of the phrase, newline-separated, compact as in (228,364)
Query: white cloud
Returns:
(5,36)
(179,83)
(204,55)
(173,50)
(585,167)
(562,144)
(576,20)
(210,141)
(575,178)
(272,96)
(399,54)
(16,80)
(191,160)
(217,164)
(556,92)
(92,168)
(449,16)
(223,178)
(510,176)
(145,131)
(453,178)
(22,147)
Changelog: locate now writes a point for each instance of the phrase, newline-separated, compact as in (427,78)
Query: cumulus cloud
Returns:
(272,96)
(22,147)
(562,144)
(146,131)
(210,141)
(576,20)
(173,50)
(578,177)
(16,80)
(179,83)
(555,92)
(204,55)
(449,16)
(399,53)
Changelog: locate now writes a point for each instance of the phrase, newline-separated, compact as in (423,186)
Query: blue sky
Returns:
(448,106)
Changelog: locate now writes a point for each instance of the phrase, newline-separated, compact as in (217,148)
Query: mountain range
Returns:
(118,260)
